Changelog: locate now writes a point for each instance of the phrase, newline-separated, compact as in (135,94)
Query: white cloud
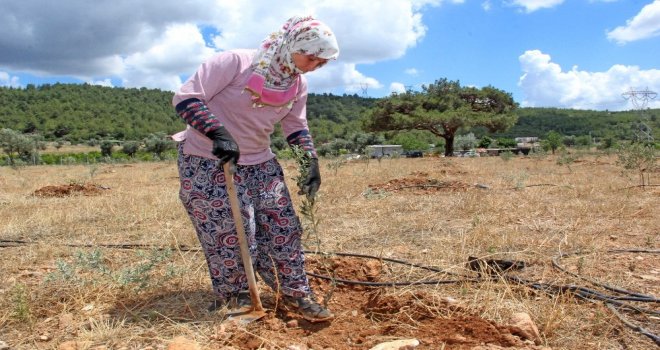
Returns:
(646,24)
(412,71)
(158,45)
(181,48)
(7,80)
(378,39)
(397,88)
(486,5)
(545,84)
(353,80)
(533,5)
(105,82)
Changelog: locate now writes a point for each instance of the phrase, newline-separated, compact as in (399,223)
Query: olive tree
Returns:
(17,145)
(443,108)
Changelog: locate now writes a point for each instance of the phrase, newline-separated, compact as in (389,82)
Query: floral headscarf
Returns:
(274,81)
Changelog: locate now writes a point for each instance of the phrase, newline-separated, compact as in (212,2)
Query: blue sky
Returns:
(546,53)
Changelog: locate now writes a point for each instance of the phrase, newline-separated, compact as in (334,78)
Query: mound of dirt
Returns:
(419,185)
(367,316)
(69,190)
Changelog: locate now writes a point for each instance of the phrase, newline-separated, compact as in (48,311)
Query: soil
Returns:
(69,190)
(419,183)
(370,316)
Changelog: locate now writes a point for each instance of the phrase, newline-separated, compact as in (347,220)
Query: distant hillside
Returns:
(620,125)
(81,112)
(78,113)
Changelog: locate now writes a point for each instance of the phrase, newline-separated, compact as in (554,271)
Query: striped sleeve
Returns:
(197,115)
(303,139)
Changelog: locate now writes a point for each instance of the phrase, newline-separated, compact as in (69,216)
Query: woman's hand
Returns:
(224,145)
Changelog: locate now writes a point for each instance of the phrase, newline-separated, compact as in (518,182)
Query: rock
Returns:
(274,324)
(297,347)
(401,344)
(65,321)
(3,345)
(75,345)
(183,343)
(523,326)
(456,339)
(292,324)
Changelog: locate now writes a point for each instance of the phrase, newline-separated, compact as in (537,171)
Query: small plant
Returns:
(337,163)
(308,206)
(566,158)
(639,157)
(63,272)
(308,209)
(538,153)
(136,277)
(139,276)
(506,156)
(370,193)
(518,180)
(650,242)
(93,168)
(21,304)
(580,265)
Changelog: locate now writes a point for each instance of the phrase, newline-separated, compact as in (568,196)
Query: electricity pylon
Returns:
(640,100)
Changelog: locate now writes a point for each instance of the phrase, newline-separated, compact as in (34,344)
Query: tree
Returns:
(443,108)
(13,144)
(640,157)
(157,143)
(411,141)
(466,142)
(130,148)
(552,141)
(486,142)
(106,148)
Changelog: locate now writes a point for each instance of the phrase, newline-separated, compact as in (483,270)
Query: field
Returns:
(104,257)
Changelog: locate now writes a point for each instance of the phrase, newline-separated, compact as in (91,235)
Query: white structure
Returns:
(377,151)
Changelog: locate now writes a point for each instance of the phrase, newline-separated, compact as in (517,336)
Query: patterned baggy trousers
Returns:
(271,224)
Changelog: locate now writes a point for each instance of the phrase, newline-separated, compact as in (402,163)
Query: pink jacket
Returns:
(220,82)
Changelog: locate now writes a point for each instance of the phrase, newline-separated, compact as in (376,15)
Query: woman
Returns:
(231,105)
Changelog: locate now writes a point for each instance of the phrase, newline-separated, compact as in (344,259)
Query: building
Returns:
(379,151)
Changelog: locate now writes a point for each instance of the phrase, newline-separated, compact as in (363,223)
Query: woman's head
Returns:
(302,45)
(307,63)
(309,44)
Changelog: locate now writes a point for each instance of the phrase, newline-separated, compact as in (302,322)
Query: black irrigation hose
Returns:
(610,302)
(633,326)
(582,293)
(555,263)
(579,292)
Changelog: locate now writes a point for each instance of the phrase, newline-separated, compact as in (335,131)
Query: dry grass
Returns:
(533,210)
(51,148)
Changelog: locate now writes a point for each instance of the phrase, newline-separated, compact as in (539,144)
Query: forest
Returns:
(78,113)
